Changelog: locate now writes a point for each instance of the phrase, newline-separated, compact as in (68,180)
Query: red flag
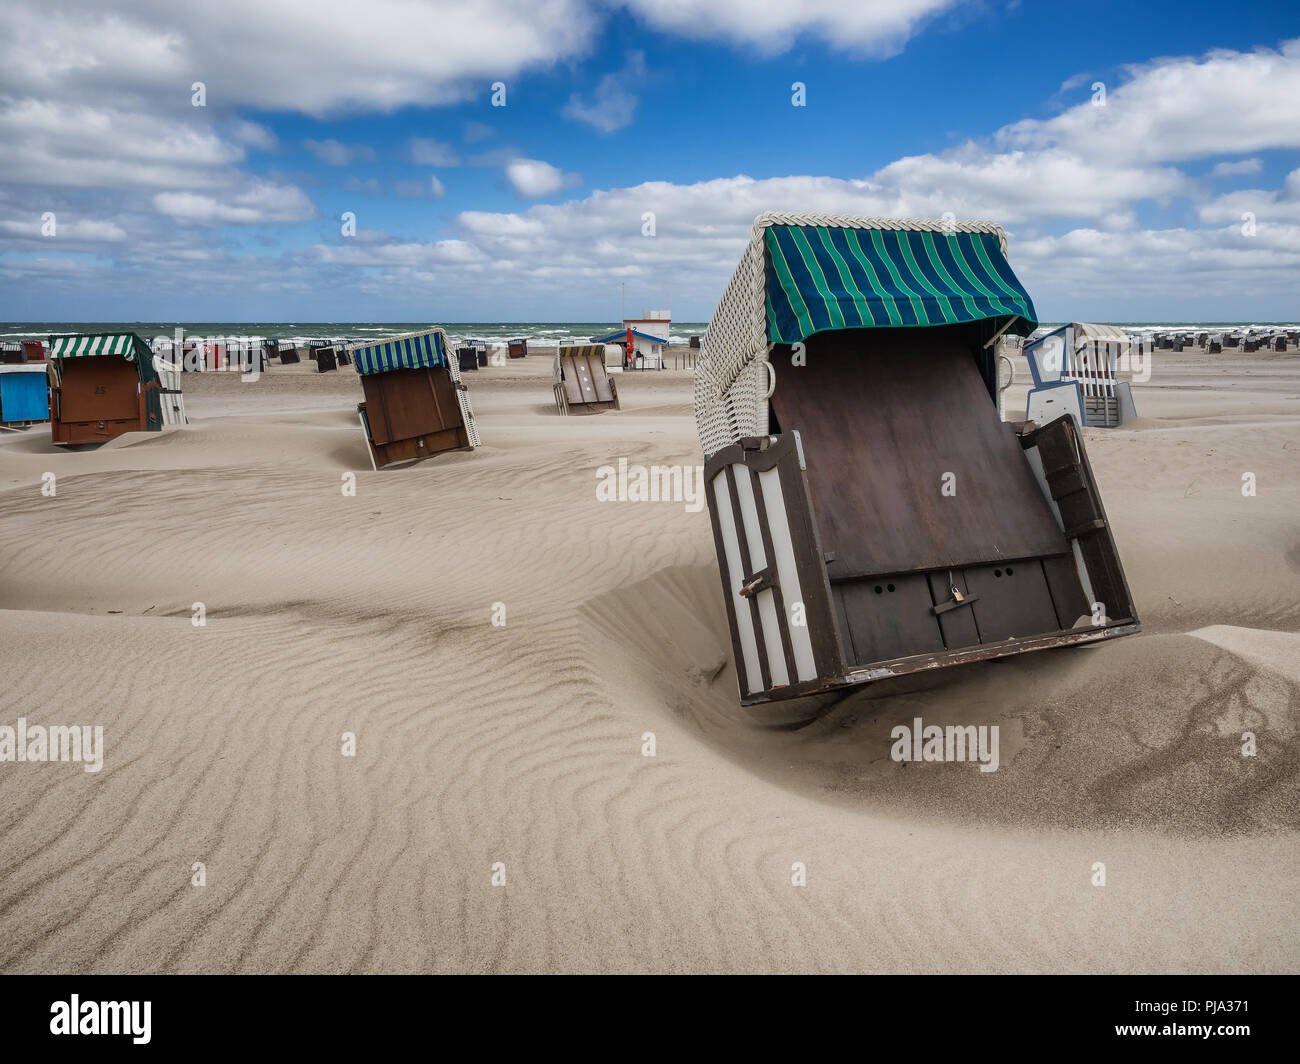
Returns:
(631,346)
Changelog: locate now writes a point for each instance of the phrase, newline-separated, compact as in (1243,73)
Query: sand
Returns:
(520,746)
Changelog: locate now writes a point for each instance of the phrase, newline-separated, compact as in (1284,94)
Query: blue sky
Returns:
(1133,210)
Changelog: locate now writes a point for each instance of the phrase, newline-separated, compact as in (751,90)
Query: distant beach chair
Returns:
(24,394)
(12,352)
(1074,370)
(695,342)
(1216,345)
(288,353)
(106,384)
(326,359)
(581,381)
(34,350)
(467,358)
(850,373)
(1249,345)
(517,348)
(1279,343)
(415,404)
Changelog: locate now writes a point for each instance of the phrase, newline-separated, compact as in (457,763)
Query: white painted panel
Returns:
(766,600)
(1036,464)
(769,481)
(735,574)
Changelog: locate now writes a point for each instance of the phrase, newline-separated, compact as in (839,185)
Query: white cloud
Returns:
(430,189)
(295,55)
(533,178)
(78,231)
(333,153)
(1233,169)
(878,28)
(255,136)
(1268,207)
(1170,110)
(261,201)
(613,106)
(428,152)
(474,132)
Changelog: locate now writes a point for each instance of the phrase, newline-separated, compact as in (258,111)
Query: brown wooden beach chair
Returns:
(467,358)
(581,381)
(106,384)
(517,348)
(288,354)
(872,514)
(415,405)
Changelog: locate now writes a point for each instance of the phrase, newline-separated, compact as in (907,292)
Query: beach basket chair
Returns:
(105,384)
(517,348)
(1075,372)
(467,358)
(24,394)
(416,405)
(288,353)
(872,514)
(581,380)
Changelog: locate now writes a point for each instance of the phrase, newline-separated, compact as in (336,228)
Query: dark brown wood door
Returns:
(407,403)
(884,415)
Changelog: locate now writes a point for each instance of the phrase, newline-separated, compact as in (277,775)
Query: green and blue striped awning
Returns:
(822,277)
(402,352)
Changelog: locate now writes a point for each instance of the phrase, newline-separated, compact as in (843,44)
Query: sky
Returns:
(566,160)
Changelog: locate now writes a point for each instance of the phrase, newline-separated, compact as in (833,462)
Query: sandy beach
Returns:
(488,751)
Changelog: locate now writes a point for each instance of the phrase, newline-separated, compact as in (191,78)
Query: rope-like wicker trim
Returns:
(730,382)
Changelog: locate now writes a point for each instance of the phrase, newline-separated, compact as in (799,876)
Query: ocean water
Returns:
(543,333)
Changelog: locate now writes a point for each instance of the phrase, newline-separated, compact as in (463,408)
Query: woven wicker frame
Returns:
(733,378)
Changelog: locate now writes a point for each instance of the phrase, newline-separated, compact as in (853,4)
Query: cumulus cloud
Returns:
(430,189)
(260,201)
(1170,110)
(428,152)
(333,153)
(613,105)
(1233,169)
(879,28)
(294,55)
(533,178)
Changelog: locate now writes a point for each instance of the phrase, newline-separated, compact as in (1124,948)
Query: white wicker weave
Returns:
(733,378)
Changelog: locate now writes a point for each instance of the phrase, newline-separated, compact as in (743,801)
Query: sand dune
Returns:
(522,744)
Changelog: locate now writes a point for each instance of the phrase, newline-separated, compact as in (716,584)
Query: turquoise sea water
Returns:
(536,332)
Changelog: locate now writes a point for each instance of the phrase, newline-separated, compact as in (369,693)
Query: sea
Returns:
(539,333)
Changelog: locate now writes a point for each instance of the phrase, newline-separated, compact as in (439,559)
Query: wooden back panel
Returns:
(100,388)
(884,414)
(406,403)
(585,380)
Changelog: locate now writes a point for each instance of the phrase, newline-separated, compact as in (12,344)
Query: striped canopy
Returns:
(128,345)
(410,351)
(826,277)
